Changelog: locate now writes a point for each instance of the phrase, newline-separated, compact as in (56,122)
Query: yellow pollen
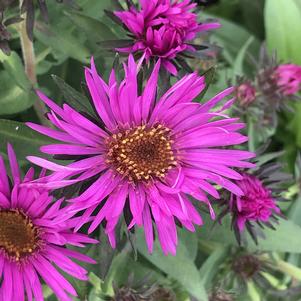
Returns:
(18,236)
(142,153)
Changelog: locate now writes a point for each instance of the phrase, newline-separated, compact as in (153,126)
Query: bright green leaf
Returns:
(283,23)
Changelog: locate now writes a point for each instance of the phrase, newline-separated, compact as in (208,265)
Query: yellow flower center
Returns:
(142,153)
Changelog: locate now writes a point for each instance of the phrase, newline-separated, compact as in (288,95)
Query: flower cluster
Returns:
(260,99)
(155,156)
(162,29)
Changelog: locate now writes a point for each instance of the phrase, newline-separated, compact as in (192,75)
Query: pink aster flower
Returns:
(34,233)
(256,205)
(245,93)
(288,77)
(162,29)
(152,155)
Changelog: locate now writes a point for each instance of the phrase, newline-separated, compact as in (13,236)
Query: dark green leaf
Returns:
(77,100)
(24,140)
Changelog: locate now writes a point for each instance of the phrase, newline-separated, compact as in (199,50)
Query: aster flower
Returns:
(245,93)
(162,29)
(258,205)
(150,156)
(288,77)
(34,233)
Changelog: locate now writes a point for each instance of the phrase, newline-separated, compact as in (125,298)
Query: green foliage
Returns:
(24,140)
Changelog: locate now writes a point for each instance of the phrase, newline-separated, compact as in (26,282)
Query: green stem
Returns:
(30,66)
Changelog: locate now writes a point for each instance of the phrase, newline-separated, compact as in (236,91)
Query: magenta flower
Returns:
(151,155)
(288,78)
(162,29)
(245,93)
(33,235)
(256,205)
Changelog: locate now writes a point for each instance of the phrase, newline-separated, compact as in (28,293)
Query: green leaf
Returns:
(63,42)
(208,269)
(13,65)
(95,29)
(77,100)
(231,37)
(238,67)
(253,18)
(275,240)
(209,76)
(180,267)
(13,99)
(24,140)
(105,255)
(283,23)
(283,239)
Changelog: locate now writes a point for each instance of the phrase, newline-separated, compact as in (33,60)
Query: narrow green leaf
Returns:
(208,269)
(209,76)
(238,67)
(74,98)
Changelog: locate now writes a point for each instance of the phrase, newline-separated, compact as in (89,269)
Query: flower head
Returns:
(151,156)
(276,81)
(33,235)
(162,29)
(288,78)
(256,205)
(246,266)
(245,93)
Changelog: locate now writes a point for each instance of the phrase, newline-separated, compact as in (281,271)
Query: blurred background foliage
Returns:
(208,265)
